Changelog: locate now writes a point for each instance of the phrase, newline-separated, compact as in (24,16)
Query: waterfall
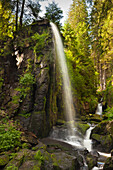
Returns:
(87,140)
(99,109)
(67,94)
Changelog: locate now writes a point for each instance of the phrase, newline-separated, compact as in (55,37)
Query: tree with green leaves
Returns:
(101,32)
(77,43)
(54,14)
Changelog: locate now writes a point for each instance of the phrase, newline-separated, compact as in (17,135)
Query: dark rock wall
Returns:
(38,110)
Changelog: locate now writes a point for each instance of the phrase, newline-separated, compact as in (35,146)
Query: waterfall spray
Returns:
(67,95)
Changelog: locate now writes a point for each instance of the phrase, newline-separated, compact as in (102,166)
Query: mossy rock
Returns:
(91,161)
(95,118)
(82,127)
(65,161)
(109,127)
(105,141)
(101,128)
(60,122)
(108,164)
(4,159)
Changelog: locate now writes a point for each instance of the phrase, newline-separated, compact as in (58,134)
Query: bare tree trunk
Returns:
(104,76)
(101,72)
(22,12)
(17,15)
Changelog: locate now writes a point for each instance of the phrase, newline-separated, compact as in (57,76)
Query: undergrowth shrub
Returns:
(109,113)
(9,137)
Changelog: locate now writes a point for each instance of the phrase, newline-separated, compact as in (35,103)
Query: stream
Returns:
(62,134)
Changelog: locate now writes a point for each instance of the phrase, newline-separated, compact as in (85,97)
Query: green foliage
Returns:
(12,167)
(25,115)
(102,33)
(38,156)
(26,84)
(12,155)
(32,12)
(109,113)
(1,83)
(9,137)
(27,80)
(80,65)
(40,41)
(54,14)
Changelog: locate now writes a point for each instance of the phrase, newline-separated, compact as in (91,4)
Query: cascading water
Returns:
(99,109)
(87,140)
(67,95)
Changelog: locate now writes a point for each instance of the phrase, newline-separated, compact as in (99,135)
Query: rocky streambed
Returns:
(53,153)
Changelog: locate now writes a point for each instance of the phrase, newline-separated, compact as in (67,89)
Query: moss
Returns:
(25,145)
(11,167)
(36,167)
(108,164)
(1,83)
(4,159)
(23,114)
(106,141)
(82,127)
(60,122)
(91,162)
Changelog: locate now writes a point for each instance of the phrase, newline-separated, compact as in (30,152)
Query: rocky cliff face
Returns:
(29,92)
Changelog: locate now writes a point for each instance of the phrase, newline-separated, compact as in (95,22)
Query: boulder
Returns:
(66,161)
(82,127)
(108,164)
(102,136)
(91,159)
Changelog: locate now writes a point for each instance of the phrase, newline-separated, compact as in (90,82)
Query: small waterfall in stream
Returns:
(67,95)
(87,140)
(99,109)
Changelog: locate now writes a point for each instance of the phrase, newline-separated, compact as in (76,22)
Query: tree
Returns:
(54,14)
(101,32)
(22,12)
(77,42)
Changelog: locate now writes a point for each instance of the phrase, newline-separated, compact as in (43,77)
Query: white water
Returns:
(67,95)
(99,109)
(87,140)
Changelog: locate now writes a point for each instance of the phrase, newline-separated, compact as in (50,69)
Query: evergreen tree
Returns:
(54,14)
(101,26)
(77,42)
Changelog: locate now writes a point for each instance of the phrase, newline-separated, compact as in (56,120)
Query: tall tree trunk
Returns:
(104,76)
(22,12)
(17,15)
(100,71)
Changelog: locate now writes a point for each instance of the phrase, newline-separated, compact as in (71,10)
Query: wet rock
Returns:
(19,158)
(91,160)
(108,164)
(37,120)
(30,138)
(66,161)
(30,164)
(95,154)
(82,127)
(105,142)
(102,136)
